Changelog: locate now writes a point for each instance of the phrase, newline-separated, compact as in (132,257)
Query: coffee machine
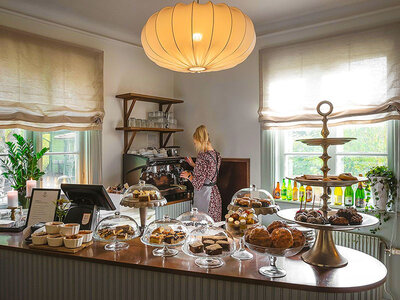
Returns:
(162,172)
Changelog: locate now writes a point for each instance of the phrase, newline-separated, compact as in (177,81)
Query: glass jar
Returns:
(194,218)
(116,230)
(141,192)
(209,244)
(164,234)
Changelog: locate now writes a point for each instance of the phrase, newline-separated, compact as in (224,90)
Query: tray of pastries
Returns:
(164,232)
(237,222)
(343,179)
(142,195)
(258,199)
(209,241)
(338,220)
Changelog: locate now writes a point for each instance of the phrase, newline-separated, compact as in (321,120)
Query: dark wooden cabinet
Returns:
(234,174)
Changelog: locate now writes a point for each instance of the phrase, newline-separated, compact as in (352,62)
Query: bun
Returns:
(282,238)
(276,224)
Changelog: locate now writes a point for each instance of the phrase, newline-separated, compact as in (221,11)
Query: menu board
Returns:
(42,206)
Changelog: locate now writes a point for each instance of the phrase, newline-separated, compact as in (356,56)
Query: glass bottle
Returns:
(338,193)
(302,193)
(277,191)
(295,192)
(289,191)
(348,196)
(284,190)
(308,193)
(360,196)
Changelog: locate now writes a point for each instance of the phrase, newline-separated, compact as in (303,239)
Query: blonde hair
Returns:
(201,136)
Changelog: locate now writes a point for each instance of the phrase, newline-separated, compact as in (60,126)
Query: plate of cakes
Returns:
(338,220)
(209,244)
(165,234)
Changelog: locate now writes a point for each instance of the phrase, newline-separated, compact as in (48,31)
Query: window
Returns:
(369,149)
(60,163)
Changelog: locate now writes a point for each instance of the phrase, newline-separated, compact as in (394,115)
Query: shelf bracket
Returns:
(128,113)
(166,140)
(129,144)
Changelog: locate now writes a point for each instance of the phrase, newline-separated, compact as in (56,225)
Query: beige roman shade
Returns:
(358,72)
(47,84)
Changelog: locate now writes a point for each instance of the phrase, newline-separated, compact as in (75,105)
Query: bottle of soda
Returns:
(284,190)
(295,192)
(338,193)
(277,191)
(302,193)
(289,191)
(360,196)
(349,196)
(308,193)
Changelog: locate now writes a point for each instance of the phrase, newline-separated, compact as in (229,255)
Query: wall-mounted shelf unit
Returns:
(164,104)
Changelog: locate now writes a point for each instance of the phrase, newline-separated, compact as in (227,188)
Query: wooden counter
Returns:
(363,272)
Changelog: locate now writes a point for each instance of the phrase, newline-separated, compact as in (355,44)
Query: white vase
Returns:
(381,198)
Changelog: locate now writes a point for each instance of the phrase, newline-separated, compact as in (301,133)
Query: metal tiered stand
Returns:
(324,252)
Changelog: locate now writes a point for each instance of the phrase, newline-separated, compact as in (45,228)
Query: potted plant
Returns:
(383,187)
(21,164)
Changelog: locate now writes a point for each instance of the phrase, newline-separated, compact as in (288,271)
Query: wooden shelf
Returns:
(129,100)
(147,98)
(167,130)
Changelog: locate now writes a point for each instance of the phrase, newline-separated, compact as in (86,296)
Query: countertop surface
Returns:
(363,272)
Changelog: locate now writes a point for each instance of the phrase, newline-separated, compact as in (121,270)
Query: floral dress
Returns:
(207,167)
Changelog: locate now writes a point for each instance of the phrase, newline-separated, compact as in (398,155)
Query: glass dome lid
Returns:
(194,218)
(115,230)
(141,192)
(252,197)
(165,233)
(209,244)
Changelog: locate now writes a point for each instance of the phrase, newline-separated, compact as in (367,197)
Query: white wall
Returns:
(226,102)
(126,69)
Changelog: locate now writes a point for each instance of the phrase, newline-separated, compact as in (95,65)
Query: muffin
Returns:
(298,237)
(282,238)
(276,224)
(259,236)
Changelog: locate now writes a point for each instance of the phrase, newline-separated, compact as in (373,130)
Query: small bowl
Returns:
(55,240)
(39,238)
(53,227)
(87,235)
(73,241)
(69,229)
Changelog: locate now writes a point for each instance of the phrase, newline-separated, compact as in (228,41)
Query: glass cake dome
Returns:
(141,193)
(115,231)
(209,244)
(252,197)
(165,233)
(194,218)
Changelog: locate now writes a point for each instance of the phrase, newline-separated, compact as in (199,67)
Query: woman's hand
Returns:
(186,175)
(189,160)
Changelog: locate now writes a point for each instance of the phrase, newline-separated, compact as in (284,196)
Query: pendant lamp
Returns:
(198,37)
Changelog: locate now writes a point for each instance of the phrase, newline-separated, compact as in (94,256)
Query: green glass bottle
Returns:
(302,193)
(349,196)
(289,191)
(283,190)
(360,196)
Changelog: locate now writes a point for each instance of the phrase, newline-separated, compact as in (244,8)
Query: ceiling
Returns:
(124,19)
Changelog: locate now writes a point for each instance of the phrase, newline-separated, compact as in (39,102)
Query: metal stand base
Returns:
(324,253)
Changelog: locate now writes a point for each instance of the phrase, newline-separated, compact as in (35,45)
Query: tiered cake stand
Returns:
(133,203)
(324,252)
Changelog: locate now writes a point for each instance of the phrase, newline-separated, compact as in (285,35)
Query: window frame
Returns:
(274,155)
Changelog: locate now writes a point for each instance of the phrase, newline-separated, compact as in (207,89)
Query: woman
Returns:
(204,178)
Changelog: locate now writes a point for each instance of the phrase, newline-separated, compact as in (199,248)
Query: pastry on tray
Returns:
(282,238)
(346,216)
(276,224)
(210,244)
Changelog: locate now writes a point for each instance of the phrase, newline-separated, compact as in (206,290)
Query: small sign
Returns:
(85,218)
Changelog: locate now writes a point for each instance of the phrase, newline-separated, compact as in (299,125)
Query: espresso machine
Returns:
(162,172)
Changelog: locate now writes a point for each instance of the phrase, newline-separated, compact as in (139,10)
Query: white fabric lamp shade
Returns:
(198,37)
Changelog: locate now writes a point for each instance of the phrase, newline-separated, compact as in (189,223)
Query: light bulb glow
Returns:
(197,37)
